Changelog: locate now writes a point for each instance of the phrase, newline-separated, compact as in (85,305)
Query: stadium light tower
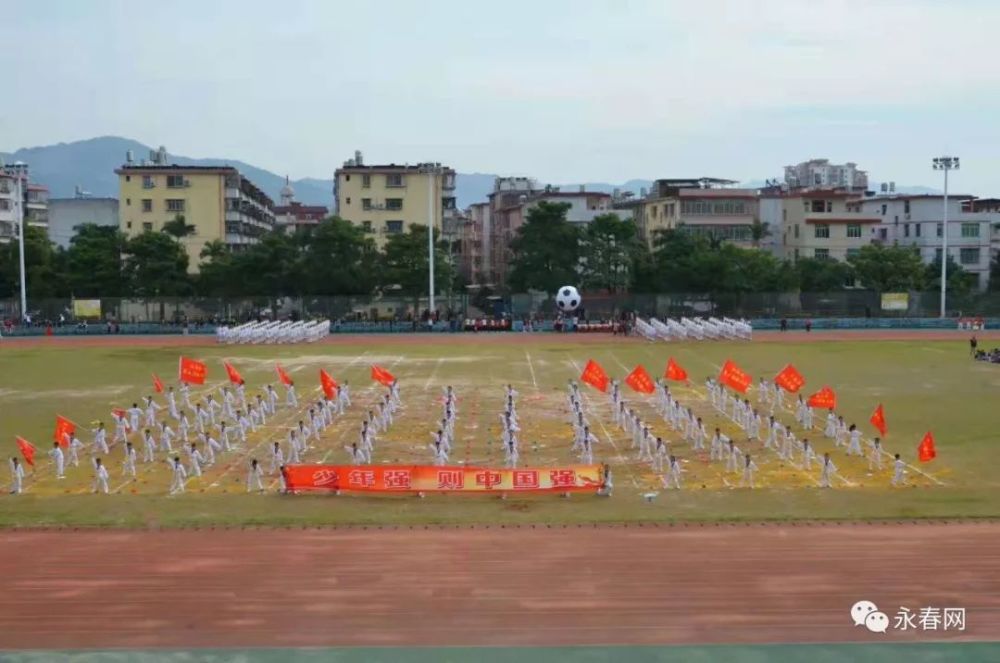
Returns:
(20,172)
(432,170)
(946,164)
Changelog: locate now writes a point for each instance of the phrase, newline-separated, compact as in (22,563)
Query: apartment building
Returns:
(292,216)
(706,207)
(387,199)
(821,223)
(34,200)
(66,214)
(218,201)
(821,174)
(918,220)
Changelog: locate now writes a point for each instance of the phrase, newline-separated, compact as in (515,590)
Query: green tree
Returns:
(888,268)
(960,282)
(178,228)
(156,266)
(610,247)
(546,250)
(43,266)
(405,263)
(822,275)
(337,258)
(216,272)
(269,267)
(94,261)
(758,231)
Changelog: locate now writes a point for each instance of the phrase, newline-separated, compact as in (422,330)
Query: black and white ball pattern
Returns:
(567,299)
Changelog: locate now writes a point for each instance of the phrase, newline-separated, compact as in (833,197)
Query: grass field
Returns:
(924,385)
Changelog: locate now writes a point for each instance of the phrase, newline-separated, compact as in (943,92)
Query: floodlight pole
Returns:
(946,164)
(20,242)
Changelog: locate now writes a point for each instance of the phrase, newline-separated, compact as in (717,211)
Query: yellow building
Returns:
(388,199)
(220,203)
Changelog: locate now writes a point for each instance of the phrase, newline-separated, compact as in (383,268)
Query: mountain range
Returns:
(90,165)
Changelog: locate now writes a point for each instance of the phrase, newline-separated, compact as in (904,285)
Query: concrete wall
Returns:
(65,214)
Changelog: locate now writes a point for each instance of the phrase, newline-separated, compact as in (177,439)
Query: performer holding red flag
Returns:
(824,398)
(191,371)
(382,376)
(234,375)
(286,380)
(27,450)
(157,384)
(594,375)
(674,371)
(329,385)
(640,381)
(878,420)
(734,377)
(64,430)
(789,379)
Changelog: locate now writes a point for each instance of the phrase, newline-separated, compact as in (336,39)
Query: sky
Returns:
(563,91)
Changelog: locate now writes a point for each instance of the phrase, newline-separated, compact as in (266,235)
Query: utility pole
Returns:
(946,164)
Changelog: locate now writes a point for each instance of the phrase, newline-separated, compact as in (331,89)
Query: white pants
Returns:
(101,484)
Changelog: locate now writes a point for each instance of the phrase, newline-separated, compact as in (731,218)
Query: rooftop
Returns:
(174,167)
(393,168)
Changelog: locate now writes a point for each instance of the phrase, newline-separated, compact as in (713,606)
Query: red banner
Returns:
(825,399)
(926,451)
(27,450)
(382,376)
(789,379)
(192,371)
(878,420)
(329,385)
(64,430)
(234,375)
(157,384)
(285,378)
(640,381)
(595,376)
(674,371)
(451,479)
(733,376)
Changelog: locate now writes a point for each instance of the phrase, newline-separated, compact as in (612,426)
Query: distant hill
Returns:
(90,164)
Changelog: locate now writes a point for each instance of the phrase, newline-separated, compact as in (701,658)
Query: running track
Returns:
(490,586)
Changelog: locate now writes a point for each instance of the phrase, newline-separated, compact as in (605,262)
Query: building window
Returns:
(366,204)
(147,182)
(366,226)
(937,254)
(970,230)
(969,256)
(348,200)
(854,230)
(394,179)
(366,181)
(4,204)
(906,206)
(175,181)
(784,216)
(822,231)
(906,230)
(884,209)
(916,229)
(939,227)
(883,233)
(670,209)
(128,178)
(394,203)
(393,227)
(821,254)
(175,204)
(147,227)
(851,253)
(128,202)
(147,204)
(128,225)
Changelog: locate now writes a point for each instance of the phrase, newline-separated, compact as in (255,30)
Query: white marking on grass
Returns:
(430,378)
(531,368)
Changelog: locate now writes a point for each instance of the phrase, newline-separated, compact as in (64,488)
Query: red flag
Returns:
(674,371)
(878,420)
(234,375)
(27,450)
(734,377)
(285,378)
(329,385)
(381,375)
(825,398)
(789,379)
(595,376)
(157,384)
(64,428)
(118,412)
(926,449)
(192,371)
(640,381)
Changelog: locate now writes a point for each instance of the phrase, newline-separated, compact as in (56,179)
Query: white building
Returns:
(917,220)
(821,174)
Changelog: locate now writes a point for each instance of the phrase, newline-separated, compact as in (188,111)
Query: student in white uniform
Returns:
(75,446)
(149,448)
(211,406)
(674,473)
(121,427)
(807,417)
(854,446)
(179,479)
(195,459)
(826,472)
(831,425)
(166,435)
(100,439)
(254,477)
(808,455)
(356,454)
(172,403)
(749,471)
(659,455)
(186,394)
(16,476)
(439,453)
(732,457)
(100,477)
(277,458)
(151,409)
(898,471)
(344,396)
(290,398)
(58,460)
(272,400)
(134,413)
(183,426)
(128,463)
(875,454)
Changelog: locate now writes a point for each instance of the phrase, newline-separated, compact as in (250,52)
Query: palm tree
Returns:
(178,227)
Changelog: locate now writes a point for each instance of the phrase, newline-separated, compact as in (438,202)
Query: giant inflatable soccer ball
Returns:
(568,299)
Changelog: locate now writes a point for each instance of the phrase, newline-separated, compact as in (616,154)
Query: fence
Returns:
(596,306)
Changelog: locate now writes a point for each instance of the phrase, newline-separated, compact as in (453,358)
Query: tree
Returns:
(216,273)
(610,247)
(178,228)
(758,231)
(888,268)
(338,259)
(42,263)
(269,267)
(94,261)
(405,263)
(156,266)
(822,275)
(546,250)
(960,282)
